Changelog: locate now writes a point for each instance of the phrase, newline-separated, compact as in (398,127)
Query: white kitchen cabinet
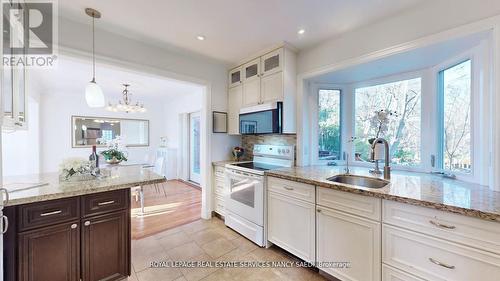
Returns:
(272,62)
(235,77)
(219,189)
(291,225)
(234,102)
(342,237)
(251,83)
(392,274)
(271,87)
(267,79)
(437,259)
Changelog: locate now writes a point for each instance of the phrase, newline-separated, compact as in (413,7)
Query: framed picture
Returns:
(219,122)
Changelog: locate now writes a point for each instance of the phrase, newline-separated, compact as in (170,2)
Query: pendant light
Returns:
(93,93)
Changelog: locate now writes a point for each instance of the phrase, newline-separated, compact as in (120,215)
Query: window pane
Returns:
(401,130)
(456,83)
(329,124)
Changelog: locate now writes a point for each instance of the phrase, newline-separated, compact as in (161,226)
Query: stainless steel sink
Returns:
(359,181)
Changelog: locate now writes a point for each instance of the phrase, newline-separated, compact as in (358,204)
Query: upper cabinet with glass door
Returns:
(14,81)
(266,79)
(235,77)
(272,62)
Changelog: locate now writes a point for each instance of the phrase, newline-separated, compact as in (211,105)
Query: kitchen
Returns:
(353,159)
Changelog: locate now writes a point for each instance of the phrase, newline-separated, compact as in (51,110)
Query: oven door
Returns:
(246,195)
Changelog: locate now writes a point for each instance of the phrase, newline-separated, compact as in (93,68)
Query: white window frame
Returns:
(314,110)
(481,130)
(385,80)
(479,171)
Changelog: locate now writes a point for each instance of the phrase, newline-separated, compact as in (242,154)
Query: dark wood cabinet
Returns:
(83,238)
(50,253)
(104,243)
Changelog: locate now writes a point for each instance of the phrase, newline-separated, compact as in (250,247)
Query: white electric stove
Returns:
(245,202)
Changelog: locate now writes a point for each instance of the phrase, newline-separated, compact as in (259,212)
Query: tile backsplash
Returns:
(248,141)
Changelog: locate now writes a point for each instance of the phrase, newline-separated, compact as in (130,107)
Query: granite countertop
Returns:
(42,187)
(419,189)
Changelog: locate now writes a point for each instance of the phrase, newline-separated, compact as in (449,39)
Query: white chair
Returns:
(158,169)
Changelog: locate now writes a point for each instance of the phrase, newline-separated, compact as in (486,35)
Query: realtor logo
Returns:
(29,33)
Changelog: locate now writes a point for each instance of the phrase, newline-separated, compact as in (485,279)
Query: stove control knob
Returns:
(279,150)
(288,151)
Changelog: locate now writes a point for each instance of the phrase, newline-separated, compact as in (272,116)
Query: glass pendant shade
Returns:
(94,95)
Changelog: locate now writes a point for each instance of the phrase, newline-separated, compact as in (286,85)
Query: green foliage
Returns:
(110,153)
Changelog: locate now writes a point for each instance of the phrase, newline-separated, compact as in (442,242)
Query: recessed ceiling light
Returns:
(200,37)
(301,31)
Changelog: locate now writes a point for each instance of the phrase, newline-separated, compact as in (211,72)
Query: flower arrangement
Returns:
(115,152)
(238,152)
(76,168)
(380,121)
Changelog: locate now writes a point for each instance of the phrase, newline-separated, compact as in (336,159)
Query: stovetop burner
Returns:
(257,166)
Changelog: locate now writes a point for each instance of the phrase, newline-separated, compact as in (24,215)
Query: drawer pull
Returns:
(441,264)
(73,226)
(106,203)
(442,225)
(50,213)
(87,223)
(288,188)
(318,210)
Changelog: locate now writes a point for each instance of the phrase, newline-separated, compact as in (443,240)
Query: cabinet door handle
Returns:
(442,225)
(5,224)
(441,264)
(106,203)
(288,188)
(318,210)
(87,223)
(50,213)
(73,226)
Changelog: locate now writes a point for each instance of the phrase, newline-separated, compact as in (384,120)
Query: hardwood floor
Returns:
(176,203)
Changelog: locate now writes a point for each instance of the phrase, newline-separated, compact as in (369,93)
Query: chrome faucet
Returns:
(387,168)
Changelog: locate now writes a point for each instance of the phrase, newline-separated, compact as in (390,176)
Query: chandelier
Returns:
(126,104)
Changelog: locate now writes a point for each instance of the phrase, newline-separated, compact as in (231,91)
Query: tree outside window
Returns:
(329,124)
(403,131)
(456,117)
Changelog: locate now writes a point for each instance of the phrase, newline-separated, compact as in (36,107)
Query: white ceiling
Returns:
(234,29)
(405,62)
(72,75)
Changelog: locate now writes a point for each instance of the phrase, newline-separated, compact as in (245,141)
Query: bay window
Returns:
(399,103)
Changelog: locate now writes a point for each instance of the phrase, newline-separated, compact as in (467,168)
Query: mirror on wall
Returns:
(89,131)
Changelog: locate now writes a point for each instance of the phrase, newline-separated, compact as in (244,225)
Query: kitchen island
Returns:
(62,230)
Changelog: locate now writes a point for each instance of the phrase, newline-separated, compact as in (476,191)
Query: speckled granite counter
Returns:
(413,188)
(21,190)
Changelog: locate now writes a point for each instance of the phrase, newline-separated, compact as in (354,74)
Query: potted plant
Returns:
(380,121)
(115,152)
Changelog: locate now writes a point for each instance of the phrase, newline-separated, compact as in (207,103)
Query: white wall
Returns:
(426,19)
(184,104)
(55,123)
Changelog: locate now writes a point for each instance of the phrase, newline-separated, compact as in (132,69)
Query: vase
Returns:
(113,161)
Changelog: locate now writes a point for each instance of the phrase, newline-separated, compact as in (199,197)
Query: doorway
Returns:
(195,147)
